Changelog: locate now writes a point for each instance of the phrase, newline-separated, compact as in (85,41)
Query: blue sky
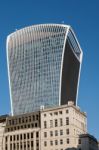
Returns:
(83,16)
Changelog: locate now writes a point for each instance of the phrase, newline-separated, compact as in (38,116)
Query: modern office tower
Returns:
(56,128)
(44,64)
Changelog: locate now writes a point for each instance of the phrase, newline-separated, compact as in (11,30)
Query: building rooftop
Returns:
(89,136)
(3,118)
(70,104)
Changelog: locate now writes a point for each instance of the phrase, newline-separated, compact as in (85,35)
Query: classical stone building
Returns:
(55,128)
(2,129)
(61,127)
(88,142)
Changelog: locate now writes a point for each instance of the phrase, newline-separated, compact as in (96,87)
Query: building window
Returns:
(19,120)
(37,117)
(26,119)
(61,142)
(22,120)
(6,147)
(29,118)
(51,114)
(45,134)
(56,133)
(16,146)
(10,138)
(9,122)
(68,141)
(32,135)
(61,132)
(14,128)
(28,125)
(60,112)
(28,145)
(33,118)
(27,135)
(8,129)
(67,131)
(35,124)
(32,125)
(51,123)
(37,134)
(12,122)
(79,141)
(51,143)
(45,143)
(67,121)
(67,111)
(51,133)
(56,123)
(56,142)
(45,124)
(55,113)
(31,143)
(61,122)
(11,129)
(11,146)
(44,115)
(21,145)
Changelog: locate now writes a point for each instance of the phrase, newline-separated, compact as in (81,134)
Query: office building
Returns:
(44,63)
(55,128)
(2,129)
(87,142)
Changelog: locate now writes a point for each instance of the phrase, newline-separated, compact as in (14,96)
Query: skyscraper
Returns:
(44,64)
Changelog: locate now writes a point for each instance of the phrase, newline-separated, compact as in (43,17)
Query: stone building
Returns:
(2,129)
(88,142)
(55,128)
(61,127)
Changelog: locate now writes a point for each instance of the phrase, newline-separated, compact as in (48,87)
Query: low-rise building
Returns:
(87,142)
(2,129)
(55,128)
(61,127)
(22,132)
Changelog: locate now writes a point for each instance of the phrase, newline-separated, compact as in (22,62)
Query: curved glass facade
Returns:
(36,64)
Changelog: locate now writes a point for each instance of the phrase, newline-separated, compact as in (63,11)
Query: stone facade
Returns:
(59,128)
(87,142)
(2,129)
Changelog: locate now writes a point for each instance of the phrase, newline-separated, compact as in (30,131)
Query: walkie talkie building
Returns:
(44,64)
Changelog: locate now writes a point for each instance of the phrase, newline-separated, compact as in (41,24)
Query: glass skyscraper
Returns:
(44,64)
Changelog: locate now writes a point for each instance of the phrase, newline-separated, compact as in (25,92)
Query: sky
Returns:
(83,16)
